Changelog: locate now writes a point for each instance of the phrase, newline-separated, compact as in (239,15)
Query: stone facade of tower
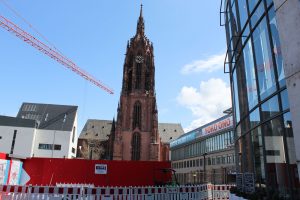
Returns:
(135,135)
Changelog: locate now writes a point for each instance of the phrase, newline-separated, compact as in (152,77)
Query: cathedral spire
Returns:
(140,24)
(113,125)
(141,11)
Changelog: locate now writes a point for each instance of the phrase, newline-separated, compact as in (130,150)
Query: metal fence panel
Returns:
(200,192)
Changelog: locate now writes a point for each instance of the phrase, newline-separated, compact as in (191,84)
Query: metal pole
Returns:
(204,168)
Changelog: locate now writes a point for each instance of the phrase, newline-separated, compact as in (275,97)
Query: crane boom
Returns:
(26,37)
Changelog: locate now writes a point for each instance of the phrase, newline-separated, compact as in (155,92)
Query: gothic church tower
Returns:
(135,134)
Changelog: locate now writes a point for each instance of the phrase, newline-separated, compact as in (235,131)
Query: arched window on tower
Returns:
(137,115)
(129,83)
(138,76)
(136,146)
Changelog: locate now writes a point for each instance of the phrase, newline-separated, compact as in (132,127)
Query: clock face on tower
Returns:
(139,59)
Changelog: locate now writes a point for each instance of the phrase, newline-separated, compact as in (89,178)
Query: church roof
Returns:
(169,131)
(96,129)
(100,129)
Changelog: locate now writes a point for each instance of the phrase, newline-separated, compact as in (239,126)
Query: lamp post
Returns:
(204,167)
(195,175)
(240,162)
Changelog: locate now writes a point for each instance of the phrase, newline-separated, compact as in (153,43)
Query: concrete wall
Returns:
(23,142)
(28,139)
(62,138)
(288,20)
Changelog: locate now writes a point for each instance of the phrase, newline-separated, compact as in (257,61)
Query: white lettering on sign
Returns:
(225,123)
(100,168)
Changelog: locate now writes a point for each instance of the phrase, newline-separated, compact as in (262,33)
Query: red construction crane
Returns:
(26,37)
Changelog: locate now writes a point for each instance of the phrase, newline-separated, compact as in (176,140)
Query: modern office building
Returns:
(40,130)
(263,60)
(206,154)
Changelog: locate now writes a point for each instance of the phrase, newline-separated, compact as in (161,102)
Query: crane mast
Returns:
(34,42)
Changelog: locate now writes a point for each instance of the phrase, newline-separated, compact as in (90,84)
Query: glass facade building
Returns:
(205,154)
(263,125)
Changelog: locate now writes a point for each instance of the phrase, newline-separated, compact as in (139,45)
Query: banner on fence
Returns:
(100,168)
(4,168)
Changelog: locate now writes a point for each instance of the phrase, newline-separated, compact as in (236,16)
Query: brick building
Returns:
(136,133)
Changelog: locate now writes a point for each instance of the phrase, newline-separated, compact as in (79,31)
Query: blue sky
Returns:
(189,47)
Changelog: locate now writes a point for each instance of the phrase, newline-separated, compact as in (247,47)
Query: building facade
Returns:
(264,63)
(40,130)
(206,154)
(93,140)
(135,135)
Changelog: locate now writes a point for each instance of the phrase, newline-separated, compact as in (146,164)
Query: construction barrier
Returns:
(218,191)
(197,192)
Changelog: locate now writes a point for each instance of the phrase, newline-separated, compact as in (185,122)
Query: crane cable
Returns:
(30,25)
(42,36)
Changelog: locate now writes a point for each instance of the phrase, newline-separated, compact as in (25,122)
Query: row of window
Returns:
(31,116)
(216,160)
(215,143)
(29,107)
(56,147)
(269,109)
(49,146)
(256,54)
(264,126)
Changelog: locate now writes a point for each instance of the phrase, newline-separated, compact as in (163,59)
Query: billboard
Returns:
(218,126)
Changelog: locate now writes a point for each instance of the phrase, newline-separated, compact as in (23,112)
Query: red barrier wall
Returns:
(45,171)
(2,156)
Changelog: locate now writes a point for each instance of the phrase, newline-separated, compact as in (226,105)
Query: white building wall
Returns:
(288,20)
(28,139)
(23,142)
(52,137)
(73,143)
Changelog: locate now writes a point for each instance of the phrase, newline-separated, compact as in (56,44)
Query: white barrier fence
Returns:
(197,192)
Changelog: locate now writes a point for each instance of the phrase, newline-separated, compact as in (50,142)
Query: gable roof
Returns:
(169,131)
(49,116)
(96,129)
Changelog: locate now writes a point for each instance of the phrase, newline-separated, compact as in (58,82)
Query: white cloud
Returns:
(206,103)
(212,63)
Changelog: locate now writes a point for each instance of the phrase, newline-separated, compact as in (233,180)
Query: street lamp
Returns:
(204,167)
(195,175)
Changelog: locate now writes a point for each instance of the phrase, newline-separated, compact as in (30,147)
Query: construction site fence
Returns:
(195,192)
